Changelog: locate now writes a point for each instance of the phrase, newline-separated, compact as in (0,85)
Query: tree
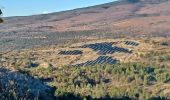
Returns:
(1,20)
(133,1)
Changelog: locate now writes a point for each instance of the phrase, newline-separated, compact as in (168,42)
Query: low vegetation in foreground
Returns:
(120,81)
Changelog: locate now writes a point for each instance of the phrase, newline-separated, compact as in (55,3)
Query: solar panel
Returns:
(131,43)
(99,60)
(106,48)
(74,52)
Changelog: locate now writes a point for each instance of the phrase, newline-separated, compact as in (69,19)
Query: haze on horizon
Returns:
(32,7)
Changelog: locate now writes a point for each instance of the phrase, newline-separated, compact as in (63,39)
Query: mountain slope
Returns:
(107,51)
(147,17)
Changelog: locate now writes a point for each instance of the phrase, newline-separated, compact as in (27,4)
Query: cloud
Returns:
(45,12)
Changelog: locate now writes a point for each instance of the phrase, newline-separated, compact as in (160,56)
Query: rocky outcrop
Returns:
(23,85)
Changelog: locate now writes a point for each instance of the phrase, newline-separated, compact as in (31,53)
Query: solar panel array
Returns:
(106,48)
(99,60)
(73,52)
(131,43)
(102,49)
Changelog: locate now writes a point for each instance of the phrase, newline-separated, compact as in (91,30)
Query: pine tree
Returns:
(133,1)
(1,20)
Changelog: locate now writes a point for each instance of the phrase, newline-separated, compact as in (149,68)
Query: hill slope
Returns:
(147,17)
(107,51)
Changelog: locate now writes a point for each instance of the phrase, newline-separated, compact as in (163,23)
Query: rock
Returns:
(46,65)
(21,83)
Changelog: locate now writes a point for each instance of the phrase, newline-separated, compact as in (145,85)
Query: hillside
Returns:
(144,18)
(114,51)
(112,69)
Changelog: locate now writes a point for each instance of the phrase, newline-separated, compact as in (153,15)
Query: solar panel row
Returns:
(106,48)
(131,43)
(104,44)
(99,60)
(74,52)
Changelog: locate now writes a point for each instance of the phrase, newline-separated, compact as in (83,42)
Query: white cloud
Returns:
(45,12)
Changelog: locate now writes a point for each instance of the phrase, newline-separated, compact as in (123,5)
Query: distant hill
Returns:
(142,18)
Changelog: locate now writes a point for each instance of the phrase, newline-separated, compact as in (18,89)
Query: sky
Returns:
(32,7)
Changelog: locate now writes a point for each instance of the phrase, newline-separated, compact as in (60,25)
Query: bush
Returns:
(133,1)
(99,81)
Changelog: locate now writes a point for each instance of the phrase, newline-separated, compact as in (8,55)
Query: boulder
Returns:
(46,65)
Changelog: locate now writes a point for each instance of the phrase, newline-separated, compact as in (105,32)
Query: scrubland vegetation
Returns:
(120,81)
(129,80)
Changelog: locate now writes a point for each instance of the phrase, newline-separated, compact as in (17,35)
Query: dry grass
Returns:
(50,54)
